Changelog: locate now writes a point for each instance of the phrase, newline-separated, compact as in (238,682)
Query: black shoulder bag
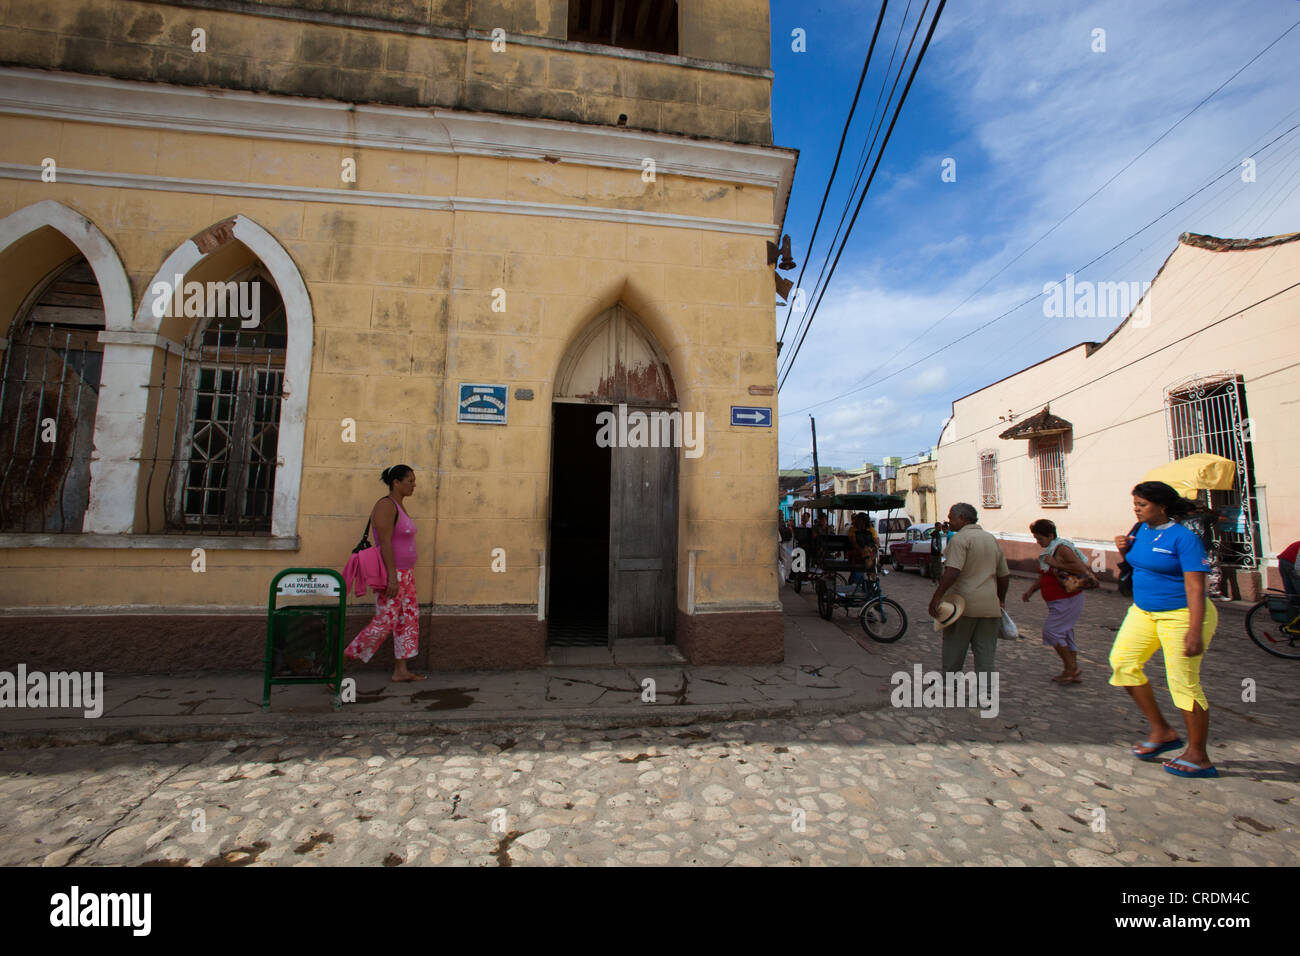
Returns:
(365,535)
(1125,570)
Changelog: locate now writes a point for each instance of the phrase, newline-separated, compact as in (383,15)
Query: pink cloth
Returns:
(404,541)
(365,570)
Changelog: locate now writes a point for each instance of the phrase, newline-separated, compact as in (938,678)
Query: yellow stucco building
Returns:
(565,204)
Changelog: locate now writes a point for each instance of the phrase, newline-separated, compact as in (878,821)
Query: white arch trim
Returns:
(119,411)
(94,245)
(297,362)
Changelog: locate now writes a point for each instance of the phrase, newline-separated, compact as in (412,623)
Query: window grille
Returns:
(1208,414)
(990,494)
(1048,454)
(223,397)
(49,391)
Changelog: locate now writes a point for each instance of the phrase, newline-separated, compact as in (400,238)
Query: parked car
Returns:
(889,526)
(914,550)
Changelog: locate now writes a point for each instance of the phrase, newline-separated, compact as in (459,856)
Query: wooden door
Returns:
(642,543)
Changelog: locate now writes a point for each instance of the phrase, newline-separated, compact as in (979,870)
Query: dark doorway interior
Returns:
(579,562)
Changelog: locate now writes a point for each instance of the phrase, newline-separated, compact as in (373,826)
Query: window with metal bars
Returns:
(221,478)
(1047,452)
(990,494)
(1207,415)
(49,392)
(632,24)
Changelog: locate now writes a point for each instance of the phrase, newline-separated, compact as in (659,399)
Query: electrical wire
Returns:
(843,136)
(1059,222)
(866,188)
(868,145)
(1020,305)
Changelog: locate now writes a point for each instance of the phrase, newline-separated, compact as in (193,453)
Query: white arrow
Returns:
(754,416)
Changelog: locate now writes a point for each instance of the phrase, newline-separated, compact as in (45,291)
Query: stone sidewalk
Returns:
(824,672)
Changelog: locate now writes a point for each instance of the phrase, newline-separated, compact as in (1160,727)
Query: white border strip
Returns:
(90,99)
(85,177)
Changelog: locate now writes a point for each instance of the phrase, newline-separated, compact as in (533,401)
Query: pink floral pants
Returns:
(401,615)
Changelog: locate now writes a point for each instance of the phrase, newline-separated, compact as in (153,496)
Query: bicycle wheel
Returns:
(883,620)
(825,600)
(1280,640)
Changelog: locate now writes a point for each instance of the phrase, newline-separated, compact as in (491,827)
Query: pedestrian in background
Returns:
(1171,612)
(1060,563)
(396,609)
(1286,567)
(976,569)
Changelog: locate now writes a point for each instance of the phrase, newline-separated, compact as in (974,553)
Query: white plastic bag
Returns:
(1009,629)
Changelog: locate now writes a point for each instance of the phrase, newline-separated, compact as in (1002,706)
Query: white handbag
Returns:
(1009,629)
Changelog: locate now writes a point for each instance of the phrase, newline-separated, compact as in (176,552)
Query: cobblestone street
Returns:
(1049,780)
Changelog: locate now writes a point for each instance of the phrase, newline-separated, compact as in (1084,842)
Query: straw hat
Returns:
(949,611)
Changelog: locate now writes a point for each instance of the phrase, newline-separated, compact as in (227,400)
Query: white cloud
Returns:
(1036,122)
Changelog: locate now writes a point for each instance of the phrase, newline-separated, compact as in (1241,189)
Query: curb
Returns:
(320,725)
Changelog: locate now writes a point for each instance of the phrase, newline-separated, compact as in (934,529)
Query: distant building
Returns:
(916,483)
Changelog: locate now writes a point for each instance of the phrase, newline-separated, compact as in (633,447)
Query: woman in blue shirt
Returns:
(1171,612)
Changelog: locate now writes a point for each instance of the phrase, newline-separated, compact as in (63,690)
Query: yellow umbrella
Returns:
(1193,473)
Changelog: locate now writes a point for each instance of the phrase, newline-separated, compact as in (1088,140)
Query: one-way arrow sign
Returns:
(749,415)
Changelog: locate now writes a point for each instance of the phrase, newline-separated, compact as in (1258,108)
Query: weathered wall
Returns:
(402,313)
(409,53)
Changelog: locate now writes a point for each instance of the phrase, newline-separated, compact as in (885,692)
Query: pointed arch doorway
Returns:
(613,521)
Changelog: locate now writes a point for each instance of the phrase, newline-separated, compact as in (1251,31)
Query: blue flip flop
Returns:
(1194,772)
(1157,750)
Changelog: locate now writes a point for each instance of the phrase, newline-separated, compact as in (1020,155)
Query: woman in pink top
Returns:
(397,608)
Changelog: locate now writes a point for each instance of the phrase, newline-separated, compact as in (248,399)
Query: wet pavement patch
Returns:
(447,698)
(314,841)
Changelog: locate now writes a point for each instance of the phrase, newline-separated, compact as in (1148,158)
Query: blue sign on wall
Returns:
(485,404)
(752,416)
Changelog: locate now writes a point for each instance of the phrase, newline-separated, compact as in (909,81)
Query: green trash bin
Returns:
(304,642)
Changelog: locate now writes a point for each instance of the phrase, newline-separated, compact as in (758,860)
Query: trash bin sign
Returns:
(304,642)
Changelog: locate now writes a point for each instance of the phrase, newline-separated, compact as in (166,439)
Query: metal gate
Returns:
(1206,415)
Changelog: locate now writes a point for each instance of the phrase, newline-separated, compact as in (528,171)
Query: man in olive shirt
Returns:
(975,568)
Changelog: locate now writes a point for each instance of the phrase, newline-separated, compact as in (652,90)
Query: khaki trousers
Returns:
(979,634)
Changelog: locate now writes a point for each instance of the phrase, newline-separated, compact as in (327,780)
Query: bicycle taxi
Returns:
(839,581)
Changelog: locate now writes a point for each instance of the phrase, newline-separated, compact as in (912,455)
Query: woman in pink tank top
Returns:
(397,608)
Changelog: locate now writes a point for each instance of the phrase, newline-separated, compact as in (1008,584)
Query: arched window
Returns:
(222,477)
(49,391)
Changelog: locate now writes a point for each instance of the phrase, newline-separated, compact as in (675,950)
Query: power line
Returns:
(1106,428)
(981,375)
(1059,222)
(868,145)
(879,156)
(1037,295)
(843,136)
(1143,357)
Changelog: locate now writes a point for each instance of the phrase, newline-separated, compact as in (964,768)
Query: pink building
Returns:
(1207,361)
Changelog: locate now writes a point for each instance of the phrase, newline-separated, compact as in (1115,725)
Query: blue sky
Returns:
(1036,121)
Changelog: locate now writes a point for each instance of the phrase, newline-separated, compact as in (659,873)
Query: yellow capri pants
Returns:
(1143,632)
